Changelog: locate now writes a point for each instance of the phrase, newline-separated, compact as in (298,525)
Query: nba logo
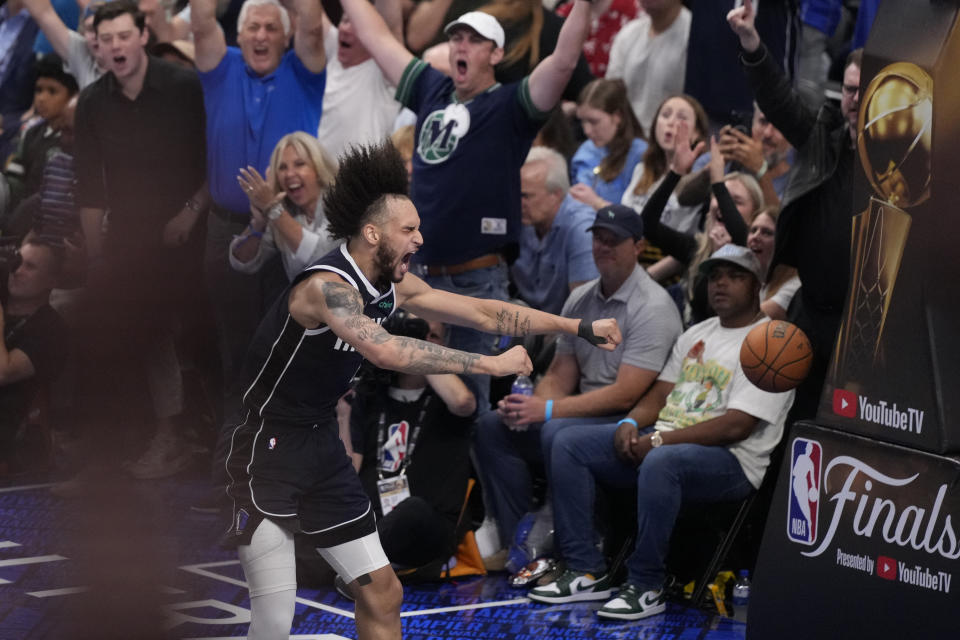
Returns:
(395,447)
(805,459)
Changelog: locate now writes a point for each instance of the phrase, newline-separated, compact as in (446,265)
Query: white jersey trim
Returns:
(276,383)
(372,290)
(267,359)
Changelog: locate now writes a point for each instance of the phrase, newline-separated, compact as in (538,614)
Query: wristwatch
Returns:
(656,439)
(274,211)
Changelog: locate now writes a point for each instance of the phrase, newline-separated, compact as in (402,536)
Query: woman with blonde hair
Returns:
(286,207)
(783,283)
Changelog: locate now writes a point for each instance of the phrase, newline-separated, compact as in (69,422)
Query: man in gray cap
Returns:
(472,137)
(580,388)
(702,433)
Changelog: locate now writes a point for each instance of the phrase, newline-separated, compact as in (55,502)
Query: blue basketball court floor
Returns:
(46,569)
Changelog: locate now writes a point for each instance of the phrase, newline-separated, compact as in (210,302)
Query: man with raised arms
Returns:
(288,468)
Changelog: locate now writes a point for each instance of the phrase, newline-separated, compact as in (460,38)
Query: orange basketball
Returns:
(776,356)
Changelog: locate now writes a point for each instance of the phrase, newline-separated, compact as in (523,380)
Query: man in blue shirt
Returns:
(17,34)
(555,248)
(472,137)
(254,95)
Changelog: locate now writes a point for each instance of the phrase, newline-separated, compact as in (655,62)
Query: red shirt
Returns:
(597,47)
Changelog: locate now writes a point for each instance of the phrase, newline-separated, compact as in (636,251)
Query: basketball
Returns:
(776,356)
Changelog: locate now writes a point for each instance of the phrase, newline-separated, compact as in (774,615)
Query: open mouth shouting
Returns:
(404,265)
(460,70)
(295,190)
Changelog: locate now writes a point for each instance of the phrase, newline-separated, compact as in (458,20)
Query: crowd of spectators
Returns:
(167,162)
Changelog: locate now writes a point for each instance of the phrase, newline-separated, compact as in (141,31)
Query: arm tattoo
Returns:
(426,357)
(516,324)
(417,356)
(341,299)
(502,317)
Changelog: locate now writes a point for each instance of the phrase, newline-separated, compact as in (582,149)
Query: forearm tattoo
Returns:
(425,357)
(417,356)
(514,323)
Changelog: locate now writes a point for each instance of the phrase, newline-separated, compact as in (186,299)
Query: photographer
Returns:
(33,347)
(411,435)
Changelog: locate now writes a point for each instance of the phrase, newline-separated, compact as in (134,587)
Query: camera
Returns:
(9,262)
(403,323)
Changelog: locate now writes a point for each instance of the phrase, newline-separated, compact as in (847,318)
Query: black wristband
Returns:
(585,331)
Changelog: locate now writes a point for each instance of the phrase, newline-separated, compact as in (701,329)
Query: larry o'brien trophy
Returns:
(894,142)
(862,538)
(896,360)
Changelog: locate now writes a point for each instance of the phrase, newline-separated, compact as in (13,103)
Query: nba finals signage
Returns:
(862,536)
(896,363)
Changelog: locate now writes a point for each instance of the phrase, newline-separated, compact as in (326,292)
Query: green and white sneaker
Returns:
(630,604)
(573,586)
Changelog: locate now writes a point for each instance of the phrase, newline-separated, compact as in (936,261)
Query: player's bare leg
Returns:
(378,598)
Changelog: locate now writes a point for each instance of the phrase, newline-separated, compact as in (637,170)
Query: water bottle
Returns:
(741,595)
(523,386)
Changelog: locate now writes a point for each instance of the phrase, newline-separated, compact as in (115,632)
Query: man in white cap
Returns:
(472,137)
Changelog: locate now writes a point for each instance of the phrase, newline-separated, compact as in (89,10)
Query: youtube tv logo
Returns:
(886,568)
(845,403)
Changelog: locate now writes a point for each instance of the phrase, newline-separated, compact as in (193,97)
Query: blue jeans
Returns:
(505,460)
(490,283)
(669,476)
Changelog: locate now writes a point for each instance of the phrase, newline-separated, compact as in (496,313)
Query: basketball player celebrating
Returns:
(288,469)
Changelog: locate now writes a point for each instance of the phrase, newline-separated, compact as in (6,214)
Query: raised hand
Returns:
(736,146)
(716,166)
(258,190)
(683,155)
(742,20)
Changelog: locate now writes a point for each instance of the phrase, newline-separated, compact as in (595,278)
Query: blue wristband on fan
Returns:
(548,411)
(631,421)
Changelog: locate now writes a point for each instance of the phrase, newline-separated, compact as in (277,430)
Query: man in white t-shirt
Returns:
(78,50)
(705,435)
(358,103)
(650,55)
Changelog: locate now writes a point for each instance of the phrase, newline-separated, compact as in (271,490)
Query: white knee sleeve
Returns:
(269,564)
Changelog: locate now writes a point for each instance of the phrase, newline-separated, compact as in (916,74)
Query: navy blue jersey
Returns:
(296,375)
(466,164)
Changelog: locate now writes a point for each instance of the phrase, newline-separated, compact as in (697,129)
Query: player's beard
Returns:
(386,261)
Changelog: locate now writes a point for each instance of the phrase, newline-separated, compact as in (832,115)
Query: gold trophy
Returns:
(894,142)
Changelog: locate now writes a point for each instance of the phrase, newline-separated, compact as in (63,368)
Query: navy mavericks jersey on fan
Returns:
(466,163)
(296,375)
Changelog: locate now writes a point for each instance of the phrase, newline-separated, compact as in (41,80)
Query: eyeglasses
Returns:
(851,89)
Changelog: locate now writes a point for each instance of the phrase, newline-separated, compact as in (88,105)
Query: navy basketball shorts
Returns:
(300,477)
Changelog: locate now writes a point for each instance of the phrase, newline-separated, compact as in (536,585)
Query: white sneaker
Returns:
(631,604)
(573,586)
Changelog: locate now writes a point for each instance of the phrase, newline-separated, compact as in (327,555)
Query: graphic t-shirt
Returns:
(708,381)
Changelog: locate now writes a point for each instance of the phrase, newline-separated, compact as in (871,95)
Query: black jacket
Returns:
(818,137)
